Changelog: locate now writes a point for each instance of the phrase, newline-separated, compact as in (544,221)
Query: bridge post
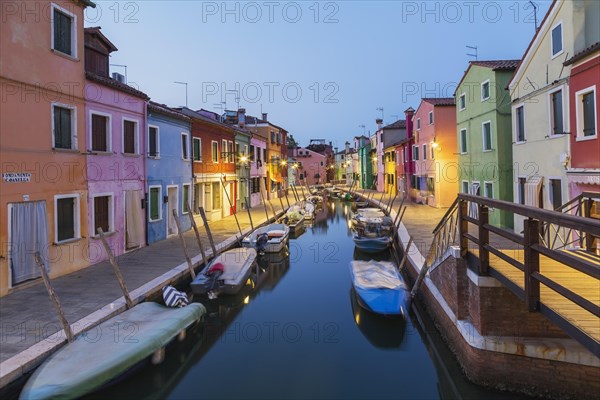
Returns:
(463,227)
(531,236)
(586,212)
(484,239)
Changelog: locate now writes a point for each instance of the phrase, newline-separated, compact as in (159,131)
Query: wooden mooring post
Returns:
(208,233)
(183,244)
(197,233)
(116,268)
(405,254)
(231,207)
(249,213)
(54,298)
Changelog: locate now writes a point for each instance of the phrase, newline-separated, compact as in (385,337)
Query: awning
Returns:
(533,187)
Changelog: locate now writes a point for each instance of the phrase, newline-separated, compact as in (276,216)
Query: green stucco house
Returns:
(484,134)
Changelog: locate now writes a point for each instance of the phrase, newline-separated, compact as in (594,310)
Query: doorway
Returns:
(172,202)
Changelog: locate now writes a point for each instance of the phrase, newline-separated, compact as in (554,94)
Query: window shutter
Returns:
(101,214)
(65,219)
(589,123)
(129,137)
(154,203)
(152,148)
(99,132)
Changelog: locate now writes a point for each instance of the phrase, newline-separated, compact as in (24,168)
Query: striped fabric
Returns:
(174,298)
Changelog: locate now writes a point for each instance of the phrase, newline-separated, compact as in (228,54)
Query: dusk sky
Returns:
(320,70)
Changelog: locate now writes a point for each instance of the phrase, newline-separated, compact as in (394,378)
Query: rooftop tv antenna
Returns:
(364,127)
(470,54)
(186,94)
(380,109)
(534,14)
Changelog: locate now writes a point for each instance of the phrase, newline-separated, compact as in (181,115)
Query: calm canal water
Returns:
(299,333)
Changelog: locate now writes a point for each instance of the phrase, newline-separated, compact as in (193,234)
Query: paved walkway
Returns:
(28,316)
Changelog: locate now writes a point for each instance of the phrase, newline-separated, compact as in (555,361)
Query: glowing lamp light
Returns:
(284,162)
(434,145)
(243,159)
(247,300)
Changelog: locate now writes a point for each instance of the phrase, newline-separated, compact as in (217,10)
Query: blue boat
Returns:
(380,287)
(371,244)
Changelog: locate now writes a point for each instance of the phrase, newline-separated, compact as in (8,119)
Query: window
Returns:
(197,149)
(224,150)
(430,185)
(463,141)
(246,150)
(485,90)
(488,190)
(264,154)
(155,200)
(129,137)
(465,187)
(556,113)
(100,132)
(418,123)
(462,102)
(272,137)
(586,113)
(231,155)
(430,117)
(66,217)
(153,141)
(215,151)
(185,198)
(486,131)
(64,31)
(520,124)
(557,44)
(103,213)
(415,153)
(63,127)
(252,154)
(432,147)
(185,153)
(555,193)
(216,195)
(278,138)
(425,152)
(521,190)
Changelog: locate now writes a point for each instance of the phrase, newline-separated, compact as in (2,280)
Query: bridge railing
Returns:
(534,247)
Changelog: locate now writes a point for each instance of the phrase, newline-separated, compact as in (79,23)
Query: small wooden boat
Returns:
(235,266)
(105,352)
(371,244)
(380,287)
(294,219)
(276,236)
(309,210)
(315,199)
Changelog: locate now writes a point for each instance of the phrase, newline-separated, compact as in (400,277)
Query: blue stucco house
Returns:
(170,151)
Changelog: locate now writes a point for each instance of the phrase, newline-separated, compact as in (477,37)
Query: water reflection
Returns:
(380,331)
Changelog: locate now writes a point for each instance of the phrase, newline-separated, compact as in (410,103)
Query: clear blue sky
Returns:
(319,69)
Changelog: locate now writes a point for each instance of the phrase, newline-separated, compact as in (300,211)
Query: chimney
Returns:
(409,112)
(241,115)
(264,117)
(347,147)
(379,123)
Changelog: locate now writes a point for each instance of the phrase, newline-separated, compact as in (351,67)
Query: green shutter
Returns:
(154,204)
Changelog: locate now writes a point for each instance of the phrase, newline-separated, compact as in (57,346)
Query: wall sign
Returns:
(16,177)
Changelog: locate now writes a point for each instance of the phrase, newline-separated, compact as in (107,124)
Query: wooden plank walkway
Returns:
(578,282)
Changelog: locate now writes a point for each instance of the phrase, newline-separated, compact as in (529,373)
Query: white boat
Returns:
(309,210)
(235,268)
(372,230)
(294,218)
(315,199)
(276,236)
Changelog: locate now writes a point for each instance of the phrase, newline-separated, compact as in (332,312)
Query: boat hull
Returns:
(241,260)
(275,244)
(372,245)
(102,355)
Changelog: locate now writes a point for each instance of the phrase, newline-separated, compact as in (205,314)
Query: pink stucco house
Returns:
(434,152)
(306,166)
(116,148)
(258,168)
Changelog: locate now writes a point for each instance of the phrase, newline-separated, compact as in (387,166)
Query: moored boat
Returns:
(227,273)
(294,219)
(92,361)
(379,287)
(371,244)
(274,236)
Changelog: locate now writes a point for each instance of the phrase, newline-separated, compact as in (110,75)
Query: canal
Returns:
(297,332)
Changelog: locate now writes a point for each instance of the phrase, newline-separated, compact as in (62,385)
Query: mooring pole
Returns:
(282,206)
(249,213)
(208,234)
(197,233)
(231,207)
(54,298)
(405,255)
(116,268)
(184,245)
(262,196)
(287,200)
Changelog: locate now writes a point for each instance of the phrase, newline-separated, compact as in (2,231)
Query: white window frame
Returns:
(157,156)
(465,149)
(189,185)
(430,118)
(108,131)
(424,151)
(187,145)
(224,150)
(230,152)
(76,219)
(462,188)
(415,154)
(565,99)
(487,81)
(74,31)
(562,40)
(485,191)
(516,124)
(160,203)
(518,191)
(579,113)
(111,213)
(246,150)
(464,97)
(74,145)
(213,153)
(136,135)
(483,136)
(193,147)
(418,124)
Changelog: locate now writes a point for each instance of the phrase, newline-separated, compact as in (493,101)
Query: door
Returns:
(28,229)
(173,201)
(473,209)
(134,220)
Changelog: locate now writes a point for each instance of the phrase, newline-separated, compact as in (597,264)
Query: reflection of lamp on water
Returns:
(349,224)
(247,300)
